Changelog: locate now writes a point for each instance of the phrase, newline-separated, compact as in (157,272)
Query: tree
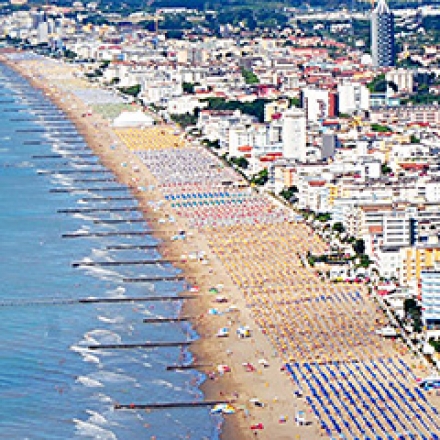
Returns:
(386,169)
(289,193)
(249,76)
(359,247)
(338,227)
(132,91)
(188,88)
(378,128)
(413,312)
(414,139)
(241,162)
(184,120)
(70,54)
(260,178)
(295,102)
(409,304)
(323,217)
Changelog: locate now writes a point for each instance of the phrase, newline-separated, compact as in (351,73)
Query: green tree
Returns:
(188,88)
(378,128)
(70,54)
(386,169)
(260,178)
(359,247)
(184,120)
(241,162)
(338,227)
(414,139)
(289,193)
(409,304)
(323,217)
(131,91)
(249,76)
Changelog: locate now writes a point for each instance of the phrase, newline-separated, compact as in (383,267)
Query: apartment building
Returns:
(430,298)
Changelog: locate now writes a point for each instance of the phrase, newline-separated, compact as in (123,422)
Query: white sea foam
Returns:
(90,358)
(104,398)
(103,336)
(96,418)
(80,348)
(89,382)
(115,320)
(104,274)
(164,383)
(87,429)
(100,253)
(119,291)
(81,216)
(110,377)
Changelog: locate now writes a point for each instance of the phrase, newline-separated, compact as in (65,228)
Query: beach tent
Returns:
(223,332)
(244,332)
(133,119)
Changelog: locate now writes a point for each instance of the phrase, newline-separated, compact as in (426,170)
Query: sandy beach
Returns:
(246,257)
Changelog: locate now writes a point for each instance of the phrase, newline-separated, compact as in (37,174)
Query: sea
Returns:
(54,383)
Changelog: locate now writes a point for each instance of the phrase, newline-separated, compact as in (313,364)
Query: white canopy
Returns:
(133,119)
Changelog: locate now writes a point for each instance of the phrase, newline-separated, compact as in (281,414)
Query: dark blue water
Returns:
(52,386)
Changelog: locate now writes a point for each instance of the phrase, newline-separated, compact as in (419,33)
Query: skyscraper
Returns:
(382,35)
(294,134)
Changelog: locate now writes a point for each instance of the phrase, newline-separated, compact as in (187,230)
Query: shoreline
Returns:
(207,349)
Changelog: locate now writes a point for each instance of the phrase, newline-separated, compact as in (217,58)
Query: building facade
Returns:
(430,283)
(382,36)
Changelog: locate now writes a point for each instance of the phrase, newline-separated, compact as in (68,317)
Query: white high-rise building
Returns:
(430,281)
(294,134)
(316,102)
(353,97)
(382,36)
(43,32)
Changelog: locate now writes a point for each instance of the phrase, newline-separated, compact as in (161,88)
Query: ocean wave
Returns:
(115,320)
(90,358)
(104,398)
(119,291)
(89,382)
(61,179)
(111,377)
(81,216)
(87,429)
(103,274)
(101,336)
(166,384)
(100,253)
(96,418)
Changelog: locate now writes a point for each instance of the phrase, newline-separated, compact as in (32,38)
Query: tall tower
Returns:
(294,134)
(382,36)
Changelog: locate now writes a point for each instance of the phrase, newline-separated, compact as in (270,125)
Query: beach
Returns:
(245,255)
